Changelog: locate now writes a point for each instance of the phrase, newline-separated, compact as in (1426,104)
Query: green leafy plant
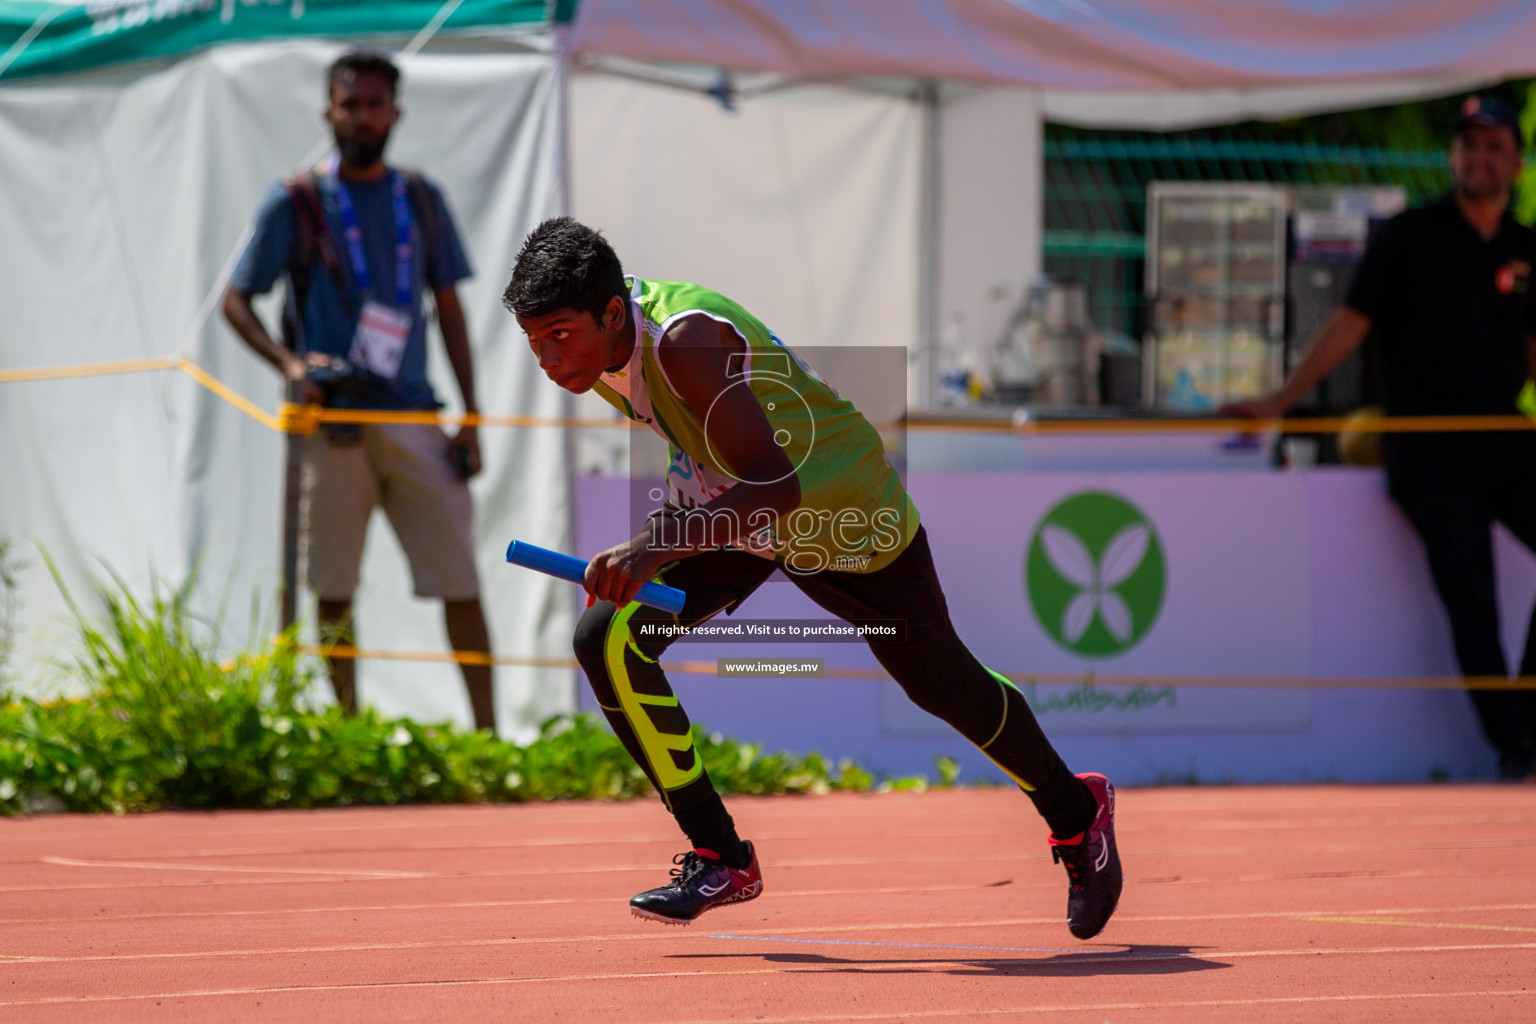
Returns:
(10,604)
(167,722)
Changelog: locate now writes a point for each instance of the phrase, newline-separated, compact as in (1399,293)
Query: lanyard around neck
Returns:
(404,251)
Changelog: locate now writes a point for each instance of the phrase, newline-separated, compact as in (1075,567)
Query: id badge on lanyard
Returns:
(382,331)
(379,343)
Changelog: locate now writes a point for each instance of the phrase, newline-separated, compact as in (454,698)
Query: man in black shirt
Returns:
(1448,289)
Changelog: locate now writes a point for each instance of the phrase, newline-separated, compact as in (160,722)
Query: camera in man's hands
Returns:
(344,384)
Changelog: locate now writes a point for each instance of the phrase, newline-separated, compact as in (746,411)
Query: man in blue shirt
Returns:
(360,243)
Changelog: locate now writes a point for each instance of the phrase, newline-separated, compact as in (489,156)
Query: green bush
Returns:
(166,723)
(9,603)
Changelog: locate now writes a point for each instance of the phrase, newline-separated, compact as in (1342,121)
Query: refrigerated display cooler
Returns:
(1237,278)
(1215,276)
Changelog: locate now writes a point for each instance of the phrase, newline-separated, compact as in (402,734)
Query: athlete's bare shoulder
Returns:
(694,351)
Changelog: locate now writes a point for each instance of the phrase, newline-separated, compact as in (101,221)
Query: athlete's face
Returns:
(574,347)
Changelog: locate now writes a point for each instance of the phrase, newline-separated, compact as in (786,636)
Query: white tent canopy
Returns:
(1164,46)
(970,82)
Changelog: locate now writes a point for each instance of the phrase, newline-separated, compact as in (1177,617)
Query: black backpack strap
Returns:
(313,243)
(424,204)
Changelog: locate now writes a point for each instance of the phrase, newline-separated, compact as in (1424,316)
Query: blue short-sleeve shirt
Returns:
(330,312)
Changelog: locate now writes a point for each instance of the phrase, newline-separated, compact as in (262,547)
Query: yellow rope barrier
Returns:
(345,652)
(1229,425)
(303,419)
(1291,426)
(710,668)
(464,419)
(87,370)
(227,393)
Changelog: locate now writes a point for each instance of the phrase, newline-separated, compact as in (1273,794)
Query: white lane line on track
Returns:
(99,919)
(197,868)
(1322,822)
(652,934)
(390,819)
(1365,916)
(1364,919)
(1081,955)
(36,829)
(72,862)
(844,813)
(541,844)
(1103,1007)
(647,975)
(1078,954)
(596,869)
(1016,860)
(1183,853)
(1323,876)
(907,926)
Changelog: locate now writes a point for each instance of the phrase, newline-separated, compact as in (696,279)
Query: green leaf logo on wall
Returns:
(1095,574)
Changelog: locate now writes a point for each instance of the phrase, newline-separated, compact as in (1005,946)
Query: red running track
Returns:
(1273,904)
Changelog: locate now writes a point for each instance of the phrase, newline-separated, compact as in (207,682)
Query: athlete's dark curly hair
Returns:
(565,265)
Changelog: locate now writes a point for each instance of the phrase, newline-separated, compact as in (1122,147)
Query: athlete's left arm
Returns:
(695,352)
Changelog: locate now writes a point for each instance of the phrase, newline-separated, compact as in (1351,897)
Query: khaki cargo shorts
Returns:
(405,468)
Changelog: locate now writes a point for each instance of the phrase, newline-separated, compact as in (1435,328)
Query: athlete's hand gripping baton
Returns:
(564,567)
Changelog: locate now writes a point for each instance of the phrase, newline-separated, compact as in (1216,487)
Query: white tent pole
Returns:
(563,119)
(9,57)
(568,407)
(929,225)
(429,30)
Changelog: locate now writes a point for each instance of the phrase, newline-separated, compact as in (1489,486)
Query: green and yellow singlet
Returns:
(854,513)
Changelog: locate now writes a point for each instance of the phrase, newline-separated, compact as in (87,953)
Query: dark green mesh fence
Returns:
(1096,195)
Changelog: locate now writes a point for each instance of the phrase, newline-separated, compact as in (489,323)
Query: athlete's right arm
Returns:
(695,353)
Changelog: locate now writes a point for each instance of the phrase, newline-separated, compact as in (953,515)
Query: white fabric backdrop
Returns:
(121,196)
(803,205)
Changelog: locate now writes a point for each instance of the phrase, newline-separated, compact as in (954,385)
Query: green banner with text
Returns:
(54,38)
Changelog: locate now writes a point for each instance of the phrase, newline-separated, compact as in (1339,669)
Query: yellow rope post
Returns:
(303,420)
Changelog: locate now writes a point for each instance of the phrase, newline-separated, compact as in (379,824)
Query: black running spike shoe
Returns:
(700,882)
(1093,864)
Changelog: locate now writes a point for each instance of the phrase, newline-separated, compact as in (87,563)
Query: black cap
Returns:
(1490,111)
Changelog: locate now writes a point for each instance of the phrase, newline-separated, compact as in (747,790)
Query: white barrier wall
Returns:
(1251,576)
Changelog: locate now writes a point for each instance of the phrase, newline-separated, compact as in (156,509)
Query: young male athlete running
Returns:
(771,470)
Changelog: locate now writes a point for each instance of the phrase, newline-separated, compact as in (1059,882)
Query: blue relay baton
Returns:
(564,567)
